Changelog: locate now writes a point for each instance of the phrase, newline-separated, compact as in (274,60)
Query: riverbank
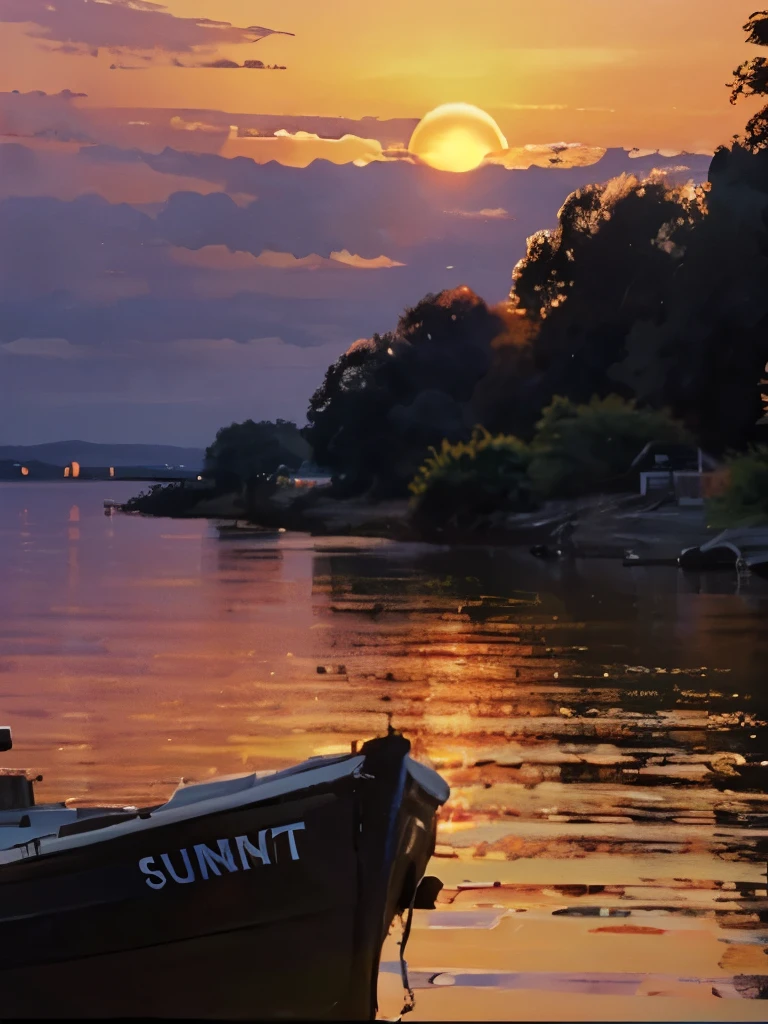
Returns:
(605,525)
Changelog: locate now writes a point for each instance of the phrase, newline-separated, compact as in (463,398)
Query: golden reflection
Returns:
(73,559)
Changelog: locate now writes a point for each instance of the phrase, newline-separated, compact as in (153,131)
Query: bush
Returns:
(164,500)
(745,500)
(473,478)
(581,448)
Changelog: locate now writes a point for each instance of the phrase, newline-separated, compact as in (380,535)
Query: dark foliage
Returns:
(245,453)
(390,397)
(745,500)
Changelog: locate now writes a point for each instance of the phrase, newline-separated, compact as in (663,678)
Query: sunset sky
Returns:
(246,261)
(617,74)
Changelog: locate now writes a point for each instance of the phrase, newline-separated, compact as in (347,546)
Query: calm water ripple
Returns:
(599,726)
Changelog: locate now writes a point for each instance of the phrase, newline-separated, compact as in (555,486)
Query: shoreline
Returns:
(607,526)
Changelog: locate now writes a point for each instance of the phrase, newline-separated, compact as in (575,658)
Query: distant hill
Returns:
(87,453)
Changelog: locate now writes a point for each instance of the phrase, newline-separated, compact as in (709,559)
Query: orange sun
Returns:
(456,137)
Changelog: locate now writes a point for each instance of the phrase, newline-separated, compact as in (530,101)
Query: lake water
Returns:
(599,726)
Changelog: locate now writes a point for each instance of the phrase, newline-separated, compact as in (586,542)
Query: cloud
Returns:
(41,167)
(230,65)
(42,348)
(234,301)
(315,254)
(359,263)
(301,138)
(555,154)
(84,27)
(301,148)
(220,258)
(179,124)
(535,106)
(496,213)
(39,115)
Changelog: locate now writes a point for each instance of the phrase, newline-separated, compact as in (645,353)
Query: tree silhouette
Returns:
(245,453)
(660,292)
(390,397)
(751,79)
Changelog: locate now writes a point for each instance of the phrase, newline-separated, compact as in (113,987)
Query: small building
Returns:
(684,473)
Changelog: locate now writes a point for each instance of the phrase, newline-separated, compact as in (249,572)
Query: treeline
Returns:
(655,293)
(649,295)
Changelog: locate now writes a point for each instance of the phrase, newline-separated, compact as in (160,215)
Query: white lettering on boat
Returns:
(222,860)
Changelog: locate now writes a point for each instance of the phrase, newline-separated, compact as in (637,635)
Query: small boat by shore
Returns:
(240,528)
(732,549)
(264,896)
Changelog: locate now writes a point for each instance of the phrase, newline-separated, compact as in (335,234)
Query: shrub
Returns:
(579,448)
(463,481)
(745,499)
(164,500)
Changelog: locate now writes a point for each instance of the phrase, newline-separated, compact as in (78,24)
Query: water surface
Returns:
(603,729)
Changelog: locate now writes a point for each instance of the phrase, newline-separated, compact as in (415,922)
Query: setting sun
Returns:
(456,137)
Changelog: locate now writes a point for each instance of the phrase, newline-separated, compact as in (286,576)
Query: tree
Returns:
(751,79)
(610,264)
(581,448)
(660,292)
(245,453)
(390,397)
(706,356)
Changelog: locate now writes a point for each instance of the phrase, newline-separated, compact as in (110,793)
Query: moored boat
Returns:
(745,548)
(261,896)
(243,529)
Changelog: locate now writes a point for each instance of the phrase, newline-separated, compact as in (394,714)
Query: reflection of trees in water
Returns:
(228,561)
(491,654)
(633,615)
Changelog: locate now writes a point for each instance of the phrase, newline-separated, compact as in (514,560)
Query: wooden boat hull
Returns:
(275,909)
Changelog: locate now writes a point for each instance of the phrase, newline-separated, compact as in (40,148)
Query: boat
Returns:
(261,896)
(112,506)
(745,548)
(244,529)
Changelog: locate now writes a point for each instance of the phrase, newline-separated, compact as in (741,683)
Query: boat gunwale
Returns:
(263,790)
(266,789)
